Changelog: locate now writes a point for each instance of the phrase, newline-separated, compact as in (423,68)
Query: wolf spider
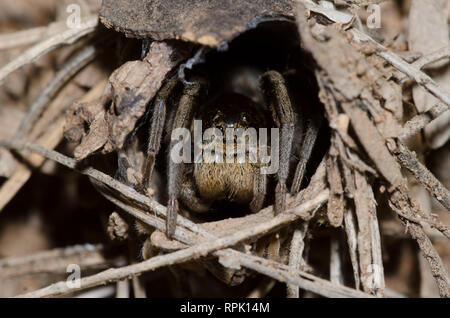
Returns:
(198,185)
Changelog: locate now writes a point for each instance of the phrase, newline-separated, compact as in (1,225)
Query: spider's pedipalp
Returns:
(190,198)
(259,190)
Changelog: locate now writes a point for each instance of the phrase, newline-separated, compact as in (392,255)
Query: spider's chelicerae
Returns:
(232,96)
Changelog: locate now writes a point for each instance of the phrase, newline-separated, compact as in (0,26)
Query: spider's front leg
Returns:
(259,188)
(183,116)
(259,191)
(277,97)
(156,128)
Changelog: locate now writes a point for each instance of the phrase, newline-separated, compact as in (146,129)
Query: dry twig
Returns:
(426,60)
(296,256)
(32,54)
(31,36)
(418,76)
(402,204)
(336,274)
(56,261)
(67,71)
(418,122)
(409,160)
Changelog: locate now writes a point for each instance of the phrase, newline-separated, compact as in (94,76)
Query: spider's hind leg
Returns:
(277,98)
(312,131)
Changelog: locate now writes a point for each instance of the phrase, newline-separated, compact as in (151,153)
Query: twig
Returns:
(426,60)
(336,204)
(349,224)
(401,204)
(296,256)
(395,230)
(418,76)
(123,289)
(428,288)
(61,78)
(363,208)
(31,36)
(138,287)
(424,219)
(15,261)
(418,122)
(101,292)
(32,54)
(438,269)
(336,275)
(56,261)
(409,161)
(296,260)
(350,230)
(377,258)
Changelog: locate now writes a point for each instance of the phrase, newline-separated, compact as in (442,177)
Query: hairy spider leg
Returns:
(277,97)
(259,190)
(183,115)
(156,128)
(312,131)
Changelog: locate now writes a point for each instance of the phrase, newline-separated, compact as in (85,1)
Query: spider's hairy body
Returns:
(220,179)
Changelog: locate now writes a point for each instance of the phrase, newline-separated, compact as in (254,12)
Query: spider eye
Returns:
(244,118)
